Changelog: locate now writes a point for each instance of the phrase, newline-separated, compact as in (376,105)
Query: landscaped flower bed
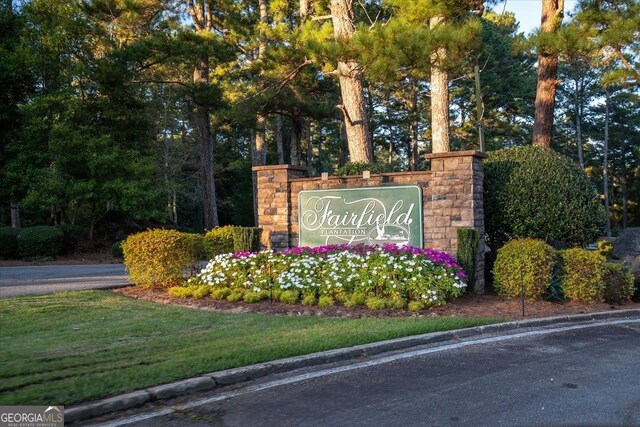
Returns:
(375,276)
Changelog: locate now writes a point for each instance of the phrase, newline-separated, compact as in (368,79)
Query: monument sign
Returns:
(371,215)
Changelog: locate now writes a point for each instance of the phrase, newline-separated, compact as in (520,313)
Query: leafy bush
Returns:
(200,292)
(289,297)
(235,295)
(356,168)
(618,282)
(537,193)
(9,242)
(582,275)
(180,292)
(605,248)
(218,241)
(221,293)
(375,303)
(415,306)
(524,265)
(246,239)
(72,236)
(309,299)
(160,257)
(40,241)
(325,301)
(468,242)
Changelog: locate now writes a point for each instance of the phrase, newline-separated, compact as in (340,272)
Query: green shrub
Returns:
(160,257)
(40,241)
(325,301)
(524,265)
(72,236)
(605,248)
(116,250)
(375,303)
(618,282)
(253,297)
(356,168)
(582,275)
(355,299)
(220,294)
(202,291)
(235,295)
(180,292)
(309,299)
(9,242)
(246,239)
(416,306)
(397,303)
(218,241)
(534,192)
(289,297)
(468,242)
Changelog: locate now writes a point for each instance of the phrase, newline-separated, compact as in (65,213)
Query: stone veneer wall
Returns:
(451,192)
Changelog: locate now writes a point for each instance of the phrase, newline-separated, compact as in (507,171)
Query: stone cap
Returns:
(279,167)
(450,154)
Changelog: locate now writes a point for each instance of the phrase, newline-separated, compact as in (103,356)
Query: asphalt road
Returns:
(571,376)
(54,278)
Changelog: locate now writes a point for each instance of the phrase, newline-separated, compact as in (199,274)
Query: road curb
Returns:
(226,377)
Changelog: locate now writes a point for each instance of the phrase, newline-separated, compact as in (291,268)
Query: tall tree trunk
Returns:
(625,188)
(279,139)
(412,108)
(479,106)
(605,164)
(202,17)
(439,96)
(354,105)
(552,13)
(577,109)
(15,211)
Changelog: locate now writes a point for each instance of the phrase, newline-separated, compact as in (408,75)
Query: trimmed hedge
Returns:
(537,193)
(246,239)
(9,242)
(468,241)
(618,282)
(356,168)
(40,241)
(218,241)
(582,279)
(524,264)
(160,257)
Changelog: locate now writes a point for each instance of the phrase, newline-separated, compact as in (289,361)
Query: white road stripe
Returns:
(359,365)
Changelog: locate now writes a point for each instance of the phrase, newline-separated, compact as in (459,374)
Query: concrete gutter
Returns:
(226,377)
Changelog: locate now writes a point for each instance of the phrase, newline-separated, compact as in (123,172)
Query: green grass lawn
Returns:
(69,347)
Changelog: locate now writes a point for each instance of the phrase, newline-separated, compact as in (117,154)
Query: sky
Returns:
(528,11)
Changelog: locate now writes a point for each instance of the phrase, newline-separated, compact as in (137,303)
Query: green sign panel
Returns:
(372,215)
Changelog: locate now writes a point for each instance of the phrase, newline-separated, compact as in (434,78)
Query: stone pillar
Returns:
(456,200)
(274,203)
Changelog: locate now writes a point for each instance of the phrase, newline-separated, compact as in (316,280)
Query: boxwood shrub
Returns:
(535,192)
(160,257)
(524,264)
(582,275)
(40,241)
(618,282)
(218,241)
(72,235)
(9,242)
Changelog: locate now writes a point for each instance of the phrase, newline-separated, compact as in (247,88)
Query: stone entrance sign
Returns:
(374,216)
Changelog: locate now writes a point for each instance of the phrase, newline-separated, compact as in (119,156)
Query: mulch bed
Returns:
(470,305)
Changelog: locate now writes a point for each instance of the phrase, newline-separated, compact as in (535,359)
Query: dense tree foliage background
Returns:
(116,105)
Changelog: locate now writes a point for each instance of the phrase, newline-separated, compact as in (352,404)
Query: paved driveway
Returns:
(54,278)
(575,375)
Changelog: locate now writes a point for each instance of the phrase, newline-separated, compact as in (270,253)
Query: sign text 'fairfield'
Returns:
(371,215)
